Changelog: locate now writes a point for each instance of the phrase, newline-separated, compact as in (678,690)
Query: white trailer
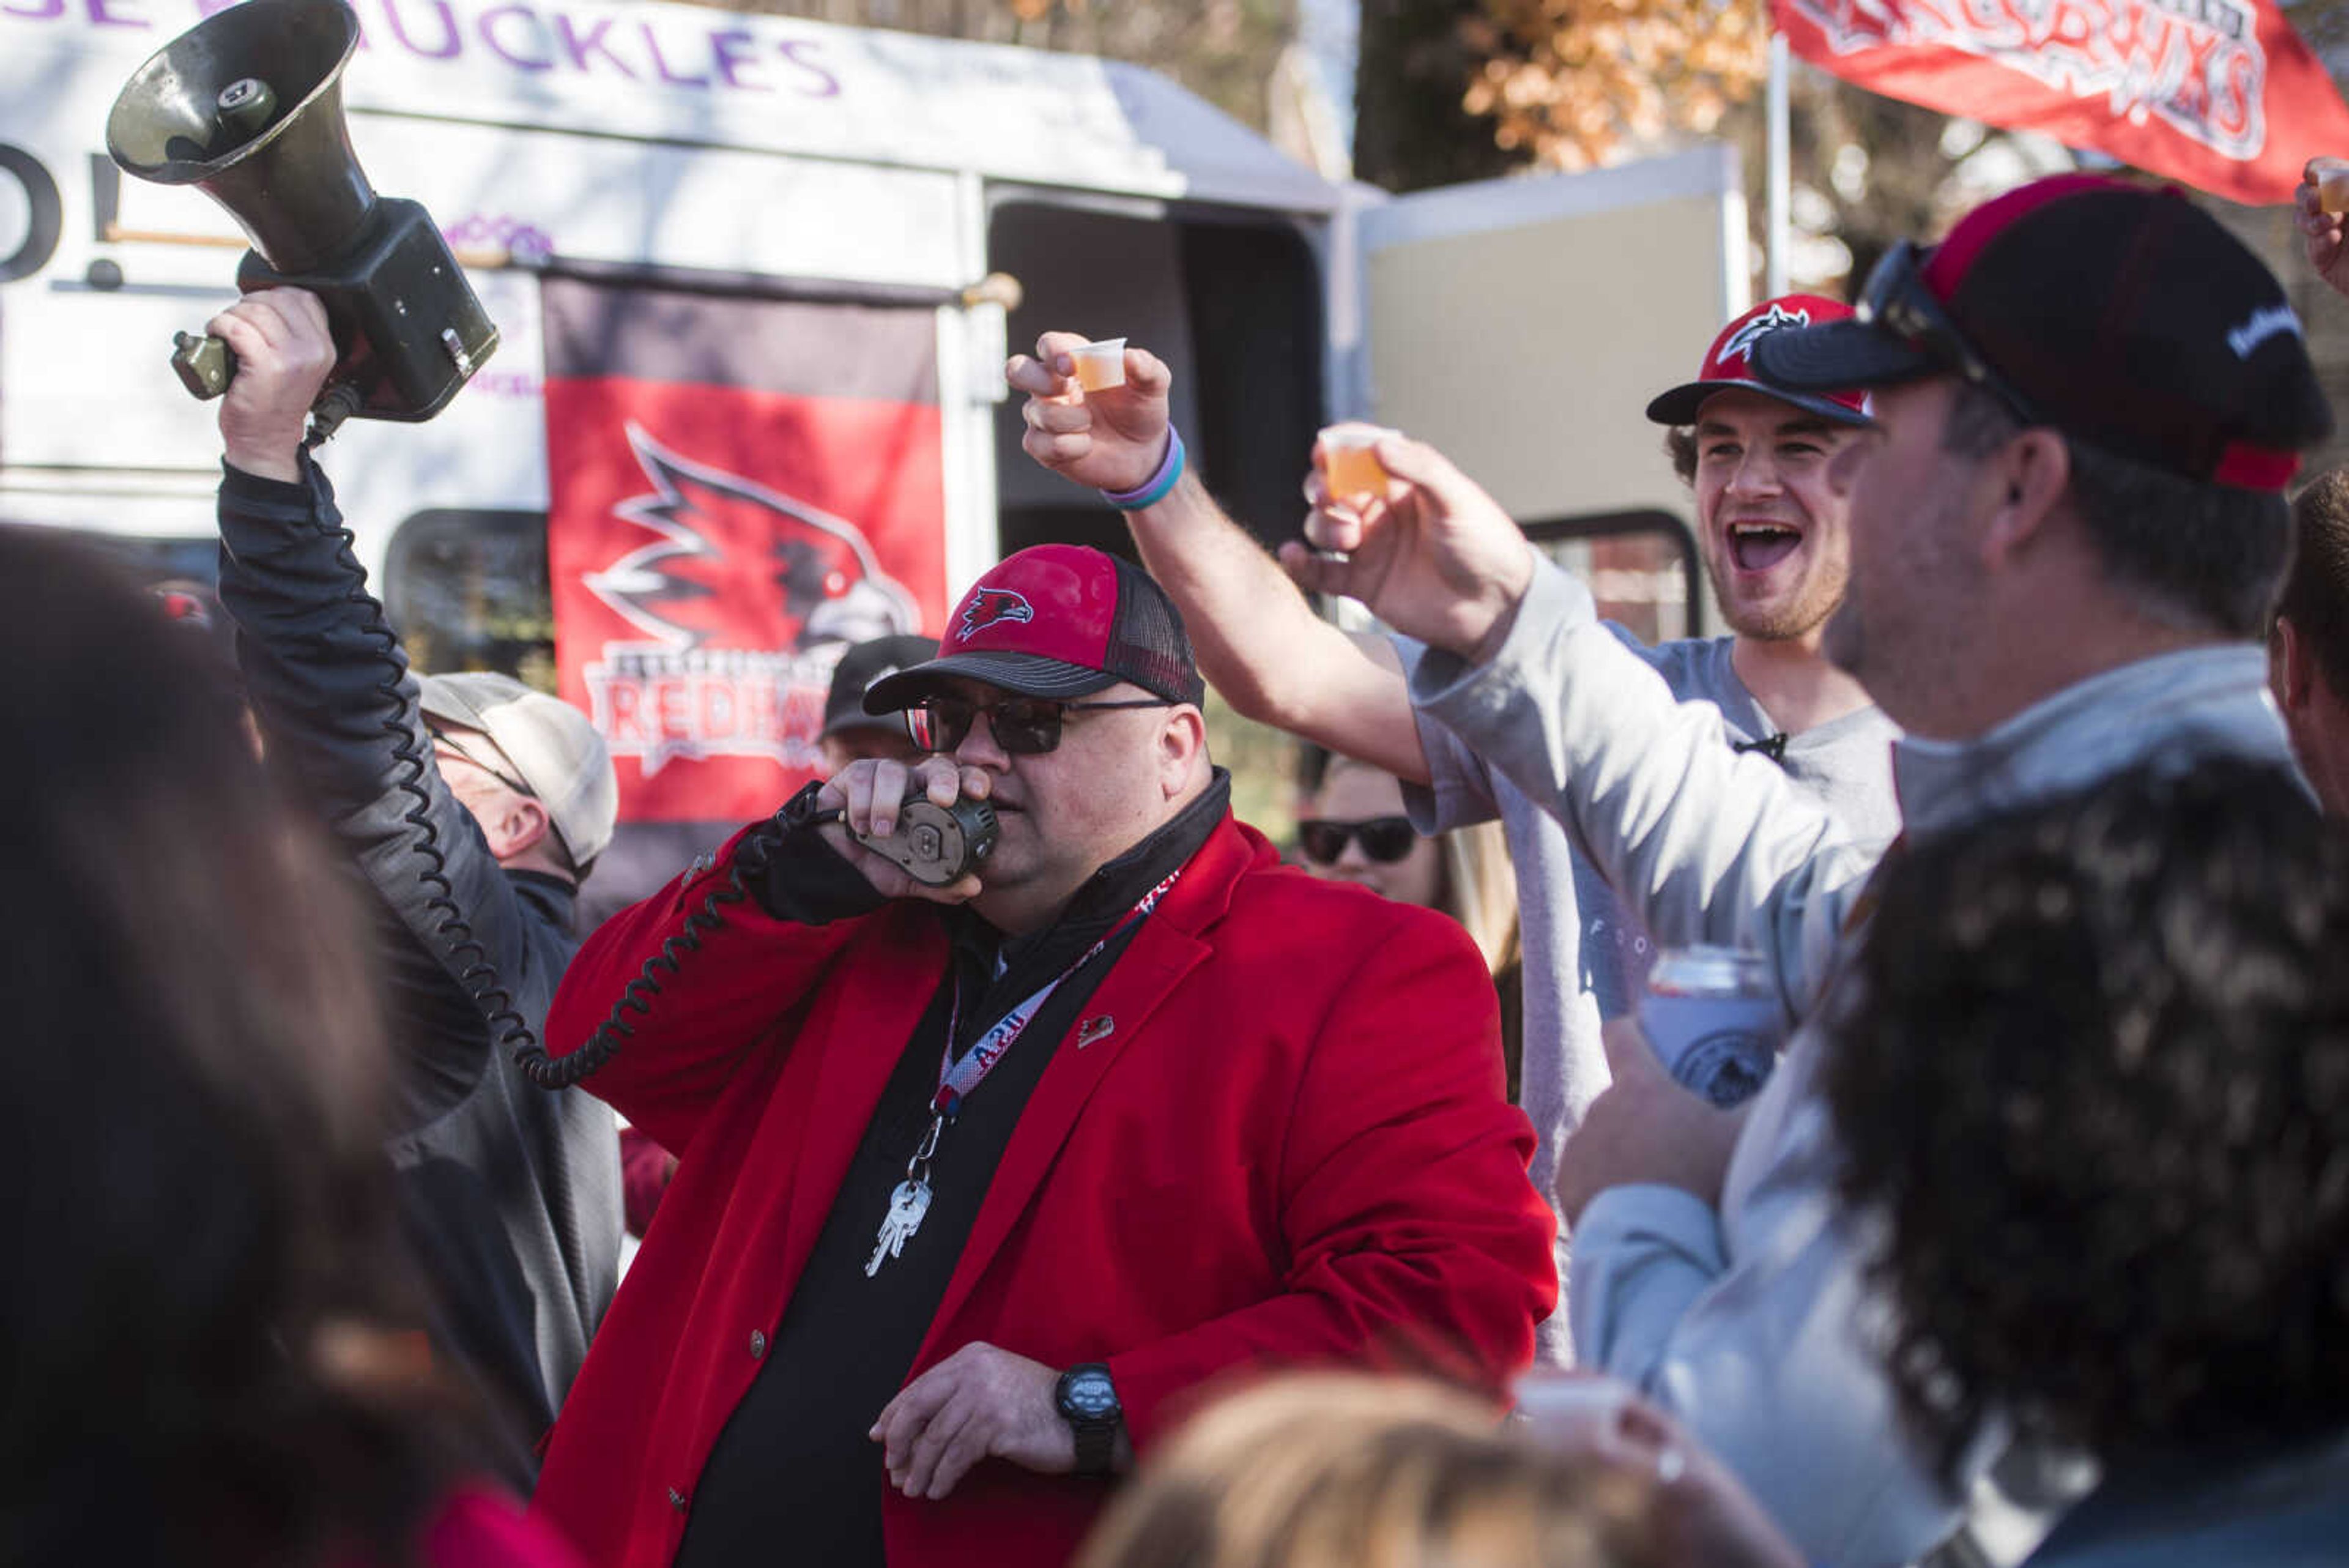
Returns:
(1521,325)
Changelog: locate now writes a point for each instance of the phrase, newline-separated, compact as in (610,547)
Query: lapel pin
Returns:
(1100,1027)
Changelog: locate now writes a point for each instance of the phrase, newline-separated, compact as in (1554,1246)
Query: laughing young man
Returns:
(1772,534)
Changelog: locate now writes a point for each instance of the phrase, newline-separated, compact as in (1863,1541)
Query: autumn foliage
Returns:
(1569,82)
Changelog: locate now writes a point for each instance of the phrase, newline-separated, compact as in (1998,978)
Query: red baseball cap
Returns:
(1057,620)
(1729,365)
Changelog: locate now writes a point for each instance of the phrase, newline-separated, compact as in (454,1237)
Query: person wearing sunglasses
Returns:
(1772,531)
(2067,524)
(1353,828)
(473,807)
(981,1184)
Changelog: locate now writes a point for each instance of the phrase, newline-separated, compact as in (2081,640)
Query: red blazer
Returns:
(1291,1147)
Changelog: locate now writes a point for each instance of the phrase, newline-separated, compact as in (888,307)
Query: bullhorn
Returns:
(247,107)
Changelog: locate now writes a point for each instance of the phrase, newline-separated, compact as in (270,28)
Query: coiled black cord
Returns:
(749,860)
(510,1031)
(480,976)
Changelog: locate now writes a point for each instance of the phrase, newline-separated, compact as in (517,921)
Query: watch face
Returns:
(1090,1395)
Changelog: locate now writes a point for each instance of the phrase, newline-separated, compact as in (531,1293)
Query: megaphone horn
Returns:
(247,107)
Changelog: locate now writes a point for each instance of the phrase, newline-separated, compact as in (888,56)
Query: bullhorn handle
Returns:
(206,366)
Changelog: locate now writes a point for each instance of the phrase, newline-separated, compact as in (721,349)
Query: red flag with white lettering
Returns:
(739,490)
(2220,95)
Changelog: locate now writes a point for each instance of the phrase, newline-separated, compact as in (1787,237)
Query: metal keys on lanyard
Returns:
(907,1203)
(910,1201)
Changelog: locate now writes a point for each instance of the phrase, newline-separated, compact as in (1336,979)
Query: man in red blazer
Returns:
(981,1184)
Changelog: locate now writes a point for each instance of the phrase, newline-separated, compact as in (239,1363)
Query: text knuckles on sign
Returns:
(525,37)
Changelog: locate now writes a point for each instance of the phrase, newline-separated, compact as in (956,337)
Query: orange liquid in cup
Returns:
(1352,472)
(1098,371)
(2331,178)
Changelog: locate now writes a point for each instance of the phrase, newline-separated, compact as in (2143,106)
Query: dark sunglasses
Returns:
(1022,726)
(1385,839)
(441,737)
(1897,301)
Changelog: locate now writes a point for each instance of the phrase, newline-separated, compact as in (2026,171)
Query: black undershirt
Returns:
(794,1478)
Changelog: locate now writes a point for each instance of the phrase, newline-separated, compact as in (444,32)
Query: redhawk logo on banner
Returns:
(2221,95)
(739,490)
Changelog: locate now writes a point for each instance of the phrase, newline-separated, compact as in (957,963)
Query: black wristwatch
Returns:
(1087,1401)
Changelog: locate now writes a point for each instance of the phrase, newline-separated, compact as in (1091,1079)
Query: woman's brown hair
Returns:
(194,1181)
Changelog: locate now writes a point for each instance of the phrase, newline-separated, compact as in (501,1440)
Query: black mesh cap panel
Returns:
(1147,644)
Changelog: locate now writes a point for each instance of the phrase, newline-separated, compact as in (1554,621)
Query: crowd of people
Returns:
(1133,1197)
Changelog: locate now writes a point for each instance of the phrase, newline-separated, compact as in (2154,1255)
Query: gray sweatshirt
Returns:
(1752,1323)
(1584,962)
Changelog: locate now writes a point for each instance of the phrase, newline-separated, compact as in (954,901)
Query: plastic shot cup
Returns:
(2331,178)
(1712,1018)
(1570,1409)
(1100,366)
(1349,461)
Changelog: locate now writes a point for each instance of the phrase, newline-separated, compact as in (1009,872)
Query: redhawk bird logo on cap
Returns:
(1741,345)
(992,607)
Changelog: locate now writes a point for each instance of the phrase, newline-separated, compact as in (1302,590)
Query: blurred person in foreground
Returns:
(1334,1472)
(982,1182)
(2067,526)
(1775,546)
(849,735)
(1352,826)
(205,1356)
(472,807)
(2092,1084)
(2308,638)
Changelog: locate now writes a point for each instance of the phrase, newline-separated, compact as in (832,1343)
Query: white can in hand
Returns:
(1712,1018)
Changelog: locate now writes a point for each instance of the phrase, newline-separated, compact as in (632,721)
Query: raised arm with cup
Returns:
(1772,534)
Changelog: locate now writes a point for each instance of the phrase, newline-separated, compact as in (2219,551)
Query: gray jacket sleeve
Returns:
(1704,844)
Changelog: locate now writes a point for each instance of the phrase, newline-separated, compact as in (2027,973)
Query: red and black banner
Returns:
(739,490)
(2220,95)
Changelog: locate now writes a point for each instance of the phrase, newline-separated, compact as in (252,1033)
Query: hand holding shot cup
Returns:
(2330,176)
(1429,551)
(1347,457)
(1114,439)
(2321,207)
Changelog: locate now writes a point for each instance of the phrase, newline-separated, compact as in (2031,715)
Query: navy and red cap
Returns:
(1729,365)
(2126,316)
(1057,620)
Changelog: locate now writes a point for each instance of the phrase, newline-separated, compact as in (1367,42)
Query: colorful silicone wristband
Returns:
(1159,485)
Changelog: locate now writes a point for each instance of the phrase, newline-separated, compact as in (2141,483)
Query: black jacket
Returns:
(509,1195)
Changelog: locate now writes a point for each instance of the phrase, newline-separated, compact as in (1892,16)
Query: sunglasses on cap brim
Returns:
(1385,839)
(1897,302)
(1022,726)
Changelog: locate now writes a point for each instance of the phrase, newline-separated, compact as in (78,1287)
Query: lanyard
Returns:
(911,1200)
(957,1079)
